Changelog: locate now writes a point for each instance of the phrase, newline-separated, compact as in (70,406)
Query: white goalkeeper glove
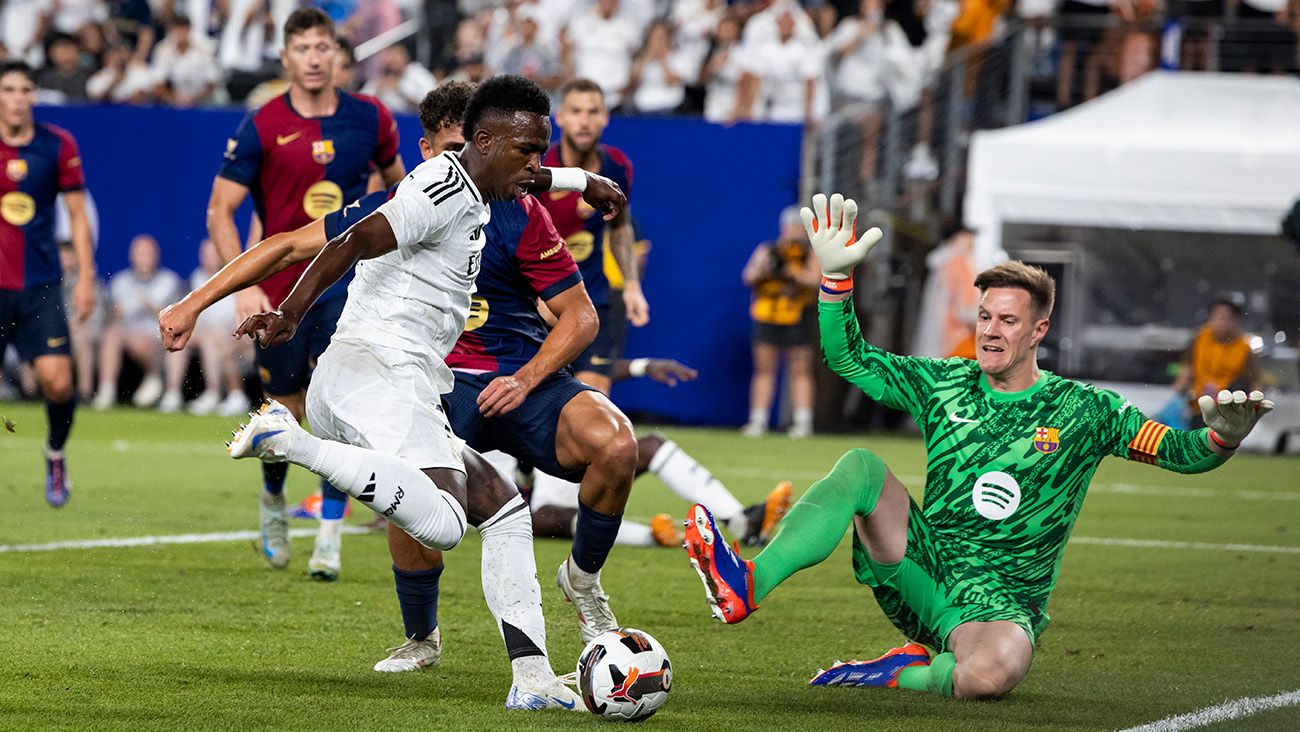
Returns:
(830,231)
(1233,415)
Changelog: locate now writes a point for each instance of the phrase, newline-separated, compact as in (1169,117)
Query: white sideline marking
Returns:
(224,536)
(1156,544)
(133,541)
(1221,713)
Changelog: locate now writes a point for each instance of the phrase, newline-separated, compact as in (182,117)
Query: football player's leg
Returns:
(990,659)
(326,559)
(858,486)
(41,332)
(591,432)
(416,571)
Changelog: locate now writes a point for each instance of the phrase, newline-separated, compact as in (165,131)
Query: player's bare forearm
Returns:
(621,243)
(259,262)
(575,328)
(394,173)
(225,200)
(370,237)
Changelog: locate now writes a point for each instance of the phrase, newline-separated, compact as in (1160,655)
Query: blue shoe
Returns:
(881,672)
(728,579)
(552,696)
(57,485)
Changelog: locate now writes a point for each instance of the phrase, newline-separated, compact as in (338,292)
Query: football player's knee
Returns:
(58,389)
(859,468)
(991,674)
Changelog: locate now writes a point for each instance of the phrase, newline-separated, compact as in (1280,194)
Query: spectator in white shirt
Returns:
(401,83)
(598,45)
(71,16)
(529,58)
(857,48)
(657,82)
(185,66)
(23,23)
(696,22)
(780,78)
(124,79)
(723,71)
(136,295)
(761,28)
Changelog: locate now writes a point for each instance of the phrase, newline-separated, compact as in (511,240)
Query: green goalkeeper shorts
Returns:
(931,591)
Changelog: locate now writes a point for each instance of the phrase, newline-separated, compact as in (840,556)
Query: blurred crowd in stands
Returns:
(779,60)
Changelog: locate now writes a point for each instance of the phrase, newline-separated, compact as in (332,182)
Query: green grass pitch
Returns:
(206,636)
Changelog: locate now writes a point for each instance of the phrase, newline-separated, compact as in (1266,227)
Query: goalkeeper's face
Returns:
(1007,332)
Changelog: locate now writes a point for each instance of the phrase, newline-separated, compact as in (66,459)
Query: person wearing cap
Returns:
(783,278)
(1219,357)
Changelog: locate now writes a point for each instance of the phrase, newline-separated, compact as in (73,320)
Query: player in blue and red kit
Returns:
(301,156)
(581,118)
(39,162)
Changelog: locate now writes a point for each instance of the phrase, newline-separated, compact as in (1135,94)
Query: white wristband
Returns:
(637,366)
(568,179)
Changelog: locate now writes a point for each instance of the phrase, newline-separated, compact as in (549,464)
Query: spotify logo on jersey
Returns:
(996,495)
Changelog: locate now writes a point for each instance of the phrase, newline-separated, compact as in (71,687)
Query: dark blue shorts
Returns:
(527,432)
(286,369)
(599,356)
(34,322)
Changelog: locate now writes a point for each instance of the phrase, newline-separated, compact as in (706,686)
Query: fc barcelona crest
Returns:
(322,151)
(16,169)
(1046,440)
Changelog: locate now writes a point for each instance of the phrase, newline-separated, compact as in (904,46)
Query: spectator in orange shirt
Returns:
(1219,357)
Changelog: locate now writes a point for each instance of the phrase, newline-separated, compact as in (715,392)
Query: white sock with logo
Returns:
(549,490)
(690,480)
(385,484)
(512,593)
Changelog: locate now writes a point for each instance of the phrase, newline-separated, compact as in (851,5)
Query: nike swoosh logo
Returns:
(571,704)
(257,439)
(962,420)
(599,361)
(55,342)
(286,139)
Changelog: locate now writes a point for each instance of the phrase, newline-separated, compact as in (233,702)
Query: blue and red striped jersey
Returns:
(34,175)
(523,259)
(580,225)
(300,168)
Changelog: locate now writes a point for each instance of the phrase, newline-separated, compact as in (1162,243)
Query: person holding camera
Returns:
(783,278)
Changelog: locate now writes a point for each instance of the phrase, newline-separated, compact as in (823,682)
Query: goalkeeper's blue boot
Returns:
(728,579)
(57,485)
(881,672)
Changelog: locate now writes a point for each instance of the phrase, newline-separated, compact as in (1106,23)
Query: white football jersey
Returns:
(417,297)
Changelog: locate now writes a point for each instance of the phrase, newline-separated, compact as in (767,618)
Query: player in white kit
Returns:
(375,400)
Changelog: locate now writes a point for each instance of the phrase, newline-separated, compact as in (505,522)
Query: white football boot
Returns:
(326,561)
(552,695)
(591,602)
(413,655)
(267,436)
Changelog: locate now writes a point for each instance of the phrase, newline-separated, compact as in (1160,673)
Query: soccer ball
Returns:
(624,674)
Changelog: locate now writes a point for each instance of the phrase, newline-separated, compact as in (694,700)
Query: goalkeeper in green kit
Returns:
(1010,451)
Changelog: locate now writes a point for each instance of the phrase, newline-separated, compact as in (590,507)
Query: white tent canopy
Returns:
(1169,151)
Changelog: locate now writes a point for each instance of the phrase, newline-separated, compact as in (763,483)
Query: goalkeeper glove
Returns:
(1233,415)
(830,231)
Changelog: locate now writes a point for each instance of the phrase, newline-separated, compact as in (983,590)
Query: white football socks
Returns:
(631,533)
(690,480)
(387,485)
(510,585)
(549,490)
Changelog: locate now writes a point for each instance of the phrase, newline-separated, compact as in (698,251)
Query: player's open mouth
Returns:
(990,349)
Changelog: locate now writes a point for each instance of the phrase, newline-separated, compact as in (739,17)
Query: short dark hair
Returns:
(579,84)
(18,67)
(180,20)
(348,51)
(1034,280)
(304,19)
(445,106)
(1234,301)
(505,95)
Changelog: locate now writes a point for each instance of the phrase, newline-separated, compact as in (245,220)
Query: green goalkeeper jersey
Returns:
(1006,473)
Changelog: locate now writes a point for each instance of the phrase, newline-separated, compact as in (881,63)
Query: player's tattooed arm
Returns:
(622,240)
(371,237)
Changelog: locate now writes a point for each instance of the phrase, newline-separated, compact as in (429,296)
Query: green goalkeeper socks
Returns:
(814,526)
(935,678)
